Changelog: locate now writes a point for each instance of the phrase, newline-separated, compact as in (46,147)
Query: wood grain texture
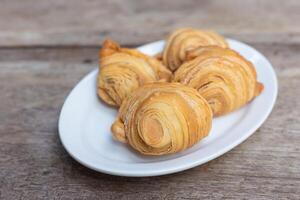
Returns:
(46,47)
(76,22)
(33,164)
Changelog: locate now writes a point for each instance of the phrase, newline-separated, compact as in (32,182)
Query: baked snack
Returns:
(222,76)
(123,70)
(184,39)
(162,118)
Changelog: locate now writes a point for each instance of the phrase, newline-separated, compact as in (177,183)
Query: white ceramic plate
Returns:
(84,126)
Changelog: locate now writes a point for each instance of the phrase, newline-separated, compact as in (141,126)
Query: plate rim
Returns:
(183,166)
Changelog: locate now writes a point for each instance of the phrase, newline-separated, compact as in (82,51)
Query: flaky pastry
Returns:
(123,70)
(185,39)
(222,76)
(163,118)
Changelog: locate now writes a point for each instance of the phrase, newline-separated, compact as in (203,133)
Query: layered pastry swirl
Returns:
(185,39)
(223,77)
(123,70)
(163,118)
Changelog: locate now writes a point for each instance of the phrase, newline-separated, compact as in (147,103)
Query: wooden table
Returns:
(46,47)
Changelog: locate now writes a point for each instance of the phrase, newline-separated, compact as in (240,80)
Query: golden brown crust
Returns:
(222,76)
(158,56)
(185,39)
(123,70)
(163,118)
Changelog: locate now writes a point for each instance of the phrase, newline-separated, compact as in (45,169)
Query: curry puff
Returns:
(163,118)
(122,70)
(222,76)
(183,40)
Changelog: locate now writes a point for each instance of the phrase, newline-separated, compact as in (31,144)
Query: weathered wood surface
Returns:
(46,47)
(77,22)
(33,163)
